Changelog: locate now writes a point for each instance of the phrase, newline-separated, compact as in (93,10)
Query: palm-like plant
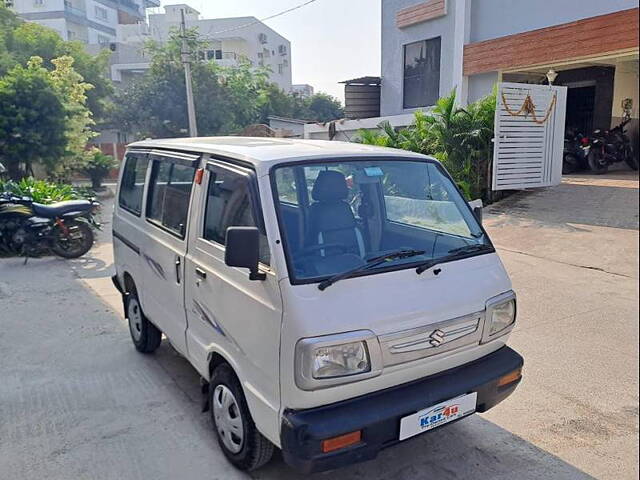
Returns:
(459,137)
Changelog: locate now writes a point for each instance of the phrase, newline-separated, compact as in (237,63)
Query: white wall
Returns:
(28,6)
(625,86)
(393,41)
(347,130)
(112,14)
(498,18)
(58,24)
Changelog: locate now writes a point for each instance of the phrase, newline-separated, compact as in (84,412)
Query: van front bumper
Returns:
(378,414)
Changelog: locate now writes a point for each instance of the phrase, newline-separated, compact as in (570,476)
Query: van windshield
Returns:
(337,215)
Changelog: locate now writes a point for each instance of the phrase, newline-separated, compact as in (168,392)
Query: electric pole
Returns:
(186,61)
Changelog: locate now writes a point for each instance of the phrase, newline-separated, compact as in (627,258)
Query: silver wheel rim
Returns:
(135,319)
(228,419)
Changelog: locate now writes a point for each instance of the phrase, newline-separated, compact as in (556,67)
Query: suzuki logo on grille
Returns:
(436,338)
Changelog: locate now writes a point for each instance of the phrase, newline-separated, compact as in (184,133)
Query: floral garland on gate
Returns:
(529,108)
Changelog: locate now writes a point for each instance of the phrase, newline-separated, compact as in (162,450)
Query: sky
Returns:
(331,40)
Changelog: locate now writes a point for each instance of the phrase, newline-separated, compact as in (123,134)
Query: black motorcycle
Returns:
(611,146)
(32,229)
(576,153)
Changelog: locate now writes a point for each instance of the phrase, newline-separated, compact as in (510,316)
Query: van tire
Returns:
(145,335)
(256,450)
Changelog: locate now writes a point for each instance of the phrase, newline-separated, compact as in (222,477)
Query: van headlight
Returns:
(340,360)
(500,315)
(335,359)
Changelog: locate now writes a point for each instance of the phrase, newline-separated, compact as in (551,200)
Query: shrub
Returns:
(42,191)
(459,137)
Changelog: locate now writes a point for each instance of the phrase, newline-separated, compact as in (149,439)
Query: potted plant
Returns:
(98,167)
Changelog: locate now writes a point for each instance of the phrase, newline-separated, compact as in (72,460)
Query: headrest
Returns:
(330,186)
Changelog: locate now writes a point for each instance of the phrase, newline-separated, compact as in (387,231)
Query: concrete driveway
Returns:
(77,402)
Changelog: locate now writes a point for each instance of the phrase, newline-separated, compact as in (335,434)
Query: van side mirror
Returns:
(477,211)
(243,250)
(476,206)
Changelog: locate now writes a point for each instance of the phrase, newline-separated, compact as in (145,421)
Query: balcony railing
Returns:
(78,12)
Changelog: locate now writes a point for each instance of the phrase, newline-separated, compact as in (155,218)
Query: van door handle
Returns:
(178,263)
(201,273)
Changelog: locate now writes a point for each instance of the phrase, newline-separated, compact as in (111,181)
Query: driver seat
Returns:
(331,220)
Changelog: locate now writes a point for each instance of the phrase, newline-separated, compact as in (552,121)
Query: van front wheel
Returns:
(145,335)
(239,439)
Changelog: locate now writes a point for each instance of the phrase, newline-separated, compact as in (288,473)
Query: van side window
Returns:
(229,205)
(169,195)
(132,183)
(286,184)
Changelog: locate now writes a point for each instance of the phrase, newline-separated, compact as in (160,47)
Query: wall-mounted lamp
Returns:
(551,76)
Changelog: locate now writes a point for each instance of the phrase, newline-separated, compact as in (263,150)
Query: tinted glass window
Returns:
(132,183)
(287,186)
(229,205)
(421,73)
(169,194)
(361,209)
(424,199)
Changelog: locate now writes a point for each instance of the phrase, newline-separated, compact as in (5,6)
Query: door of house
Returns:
(529,136)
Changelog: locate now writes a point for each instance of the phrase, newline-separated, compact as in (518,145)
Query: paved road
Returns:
(77,402)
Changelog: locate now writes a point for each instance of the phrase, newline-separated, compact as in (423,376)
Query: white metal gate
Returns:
(529,136)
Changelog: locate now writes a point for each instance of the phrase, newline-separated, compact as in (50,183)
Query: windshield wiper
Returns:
(371,262)
(475,247)
(452,255)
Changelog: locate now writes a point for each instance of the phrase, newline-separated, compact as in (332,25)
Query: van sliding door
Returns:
(167,217)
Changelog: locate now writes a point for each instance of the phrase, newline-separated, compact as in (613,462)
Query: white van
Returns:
(335,298)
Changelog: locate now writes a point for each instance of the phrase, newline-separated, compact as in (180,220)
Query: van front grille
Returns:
(434,339)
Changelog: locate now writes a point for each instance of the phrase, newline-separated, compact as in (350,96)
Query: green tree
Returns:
(72,90)
(226,98)
(30,39)
(324,108)
(32,119)
(8,23)
(44,118)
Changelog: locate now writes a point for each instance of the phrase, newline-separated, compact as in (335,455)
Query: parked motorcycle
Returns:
(611,146)
(576,153)
(32,229)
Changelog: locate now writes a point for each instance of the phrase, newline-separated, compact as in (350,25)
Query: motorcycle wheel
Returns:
(630,158)
(570,164)
(67,247)
(596,162)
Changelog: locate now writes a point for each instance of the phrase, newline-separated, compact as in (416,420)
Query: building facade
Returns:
(432,47)
(229,39)
(302,90)
(89,21)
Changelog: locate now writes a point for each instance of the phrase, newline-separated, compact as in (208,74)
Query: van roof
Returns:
(265,151)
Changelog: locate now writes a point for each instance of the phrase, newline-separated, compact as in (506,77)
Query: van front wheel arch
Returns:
(240,441)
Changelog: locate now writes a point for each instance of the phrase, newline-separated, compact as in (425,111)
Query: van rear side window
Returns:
(169,195)
(132,183)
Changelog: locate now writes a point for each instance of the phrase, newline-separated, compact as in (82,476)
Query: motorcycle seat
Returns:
(60,208)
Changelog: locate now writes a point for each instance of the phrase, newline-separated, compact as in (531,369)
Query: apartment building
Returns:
(89,21)
(302,90)
(229,40)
